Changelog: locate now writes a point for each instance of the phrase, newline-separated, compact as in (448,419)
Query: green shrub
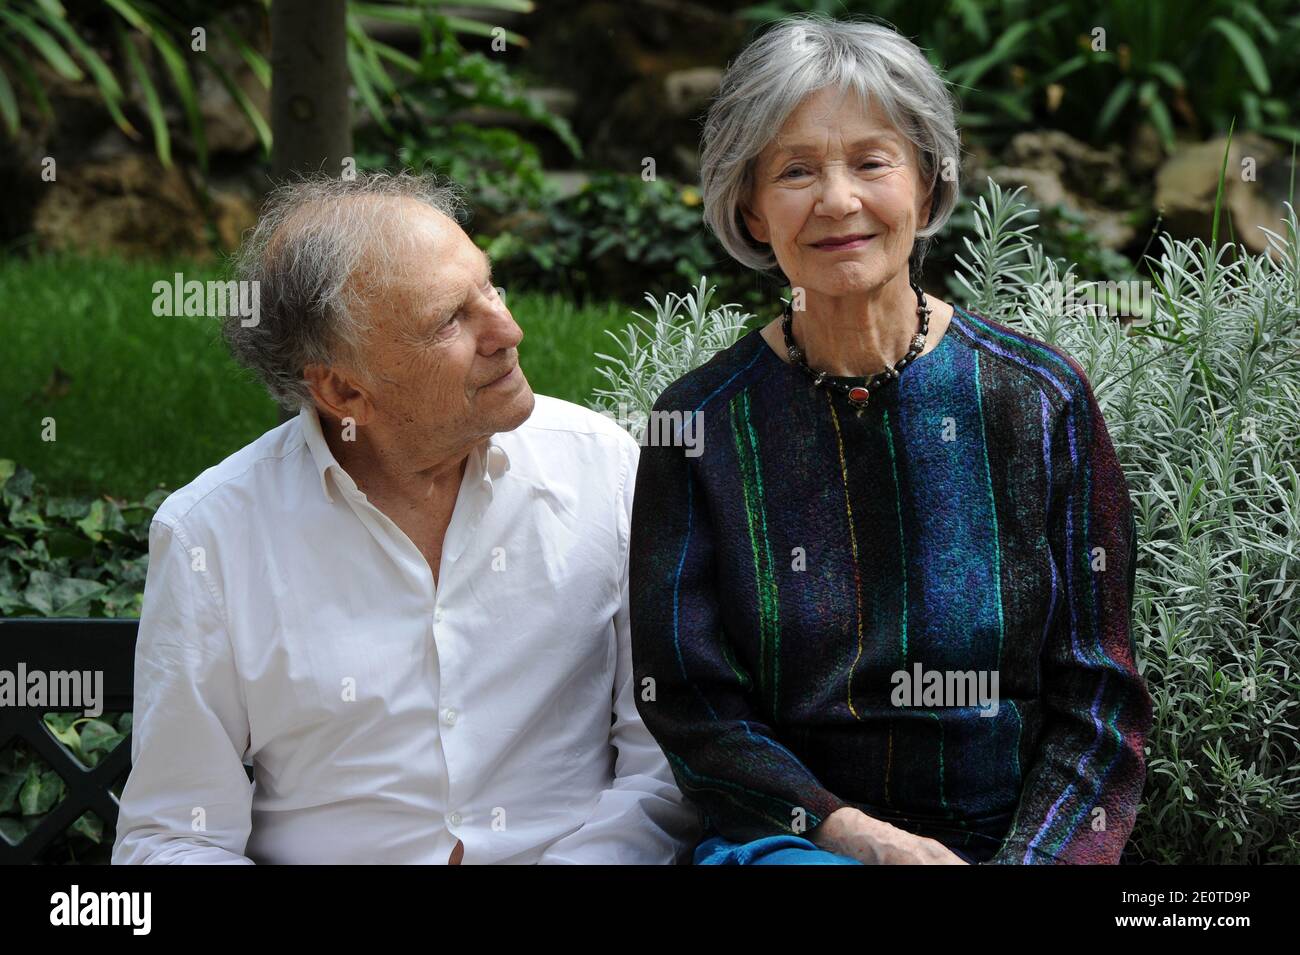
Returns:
(1199,400)
(618,237)
(424,125)
(66,557)
(1184,66)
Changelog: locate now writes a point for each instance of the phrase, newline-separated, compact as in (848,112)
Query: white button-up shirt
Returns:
(289,624)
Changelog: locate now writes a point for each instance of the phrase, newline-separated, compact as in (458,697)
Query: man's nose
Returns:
(501,329)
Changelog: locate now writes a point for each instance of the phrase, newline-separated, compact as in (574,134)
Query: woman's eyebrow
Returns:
(875,139)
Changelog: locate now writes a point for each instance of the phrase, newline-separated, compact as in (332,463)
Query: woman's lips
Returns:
(829,245)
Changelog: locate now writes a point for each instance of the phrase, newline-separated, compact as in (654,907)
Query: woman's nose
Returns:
(837,198)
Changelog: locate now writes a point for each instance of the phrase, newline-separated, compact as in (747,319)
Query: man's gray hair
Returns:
(799,56)
(312,234)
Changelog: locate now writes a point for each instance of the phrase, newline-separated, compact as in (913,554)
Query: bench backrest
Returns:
(62,644)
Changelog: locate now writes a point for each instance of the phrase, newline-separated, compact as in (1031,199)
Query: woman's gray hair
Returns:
(312,234)
(773,75)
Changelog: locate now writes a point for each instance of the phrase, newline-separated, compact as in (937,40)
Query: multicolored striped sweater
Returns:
(973,523)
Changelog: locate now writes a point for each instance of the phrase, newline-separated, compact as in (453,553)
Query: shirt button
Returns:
(449,716)
(437,615)
(454,819)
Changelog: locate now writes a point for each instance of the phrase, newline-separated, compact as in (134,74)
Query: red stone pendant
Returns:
(859,395)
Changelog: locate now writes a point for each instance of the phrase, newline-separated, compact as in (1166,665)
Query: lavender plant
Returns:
(1199,394)
(682,334)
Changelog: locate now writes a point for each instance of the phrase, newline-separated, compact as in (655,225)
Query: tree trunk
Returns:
(311,126)
(310,123)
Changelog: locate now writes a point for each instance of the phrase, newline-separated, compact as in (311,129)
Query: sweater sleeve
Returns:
(1083,785)
(693,694)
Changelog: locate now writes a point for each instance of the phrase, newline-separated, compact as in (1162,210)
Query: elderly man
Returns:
(406,608)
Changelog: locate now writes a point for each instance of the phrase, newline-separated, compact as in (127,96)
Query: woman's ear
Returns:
(756,224)
(924,219)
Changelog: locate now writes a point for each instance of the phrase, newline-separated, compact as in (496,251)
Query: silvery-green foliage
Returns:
(997,263)
(682,333)
(1201,397)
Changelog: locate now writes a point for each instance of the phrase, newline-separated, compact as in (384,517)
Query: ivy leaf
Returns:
(97,739)
(40,792)
(24,513)
(18,485)
(90,826)
(10,784)
(69,508)
(15,830)
(64,543)
(60,596)
(93,524)
(65,731)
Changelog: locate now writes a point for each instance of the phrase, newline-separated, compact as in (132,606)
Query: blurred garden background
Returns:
(1145,140)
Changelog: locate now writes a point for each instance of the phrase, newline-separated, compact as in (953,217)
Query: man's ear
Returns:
(339,393)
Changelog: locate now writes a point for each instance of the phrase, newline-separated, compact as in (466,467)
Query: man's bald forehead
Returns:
(365,219)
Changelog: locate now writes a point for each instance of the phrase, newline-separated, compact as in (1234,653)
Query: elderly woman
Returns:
(898,502)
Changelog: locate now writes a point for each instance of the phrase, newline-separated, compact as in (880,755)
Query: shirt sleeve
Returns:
(642,817)
(695,697)
(187,799)
(1081,792)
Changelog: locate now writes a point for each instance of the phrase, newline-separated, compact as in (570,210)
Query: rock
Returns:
(112,194)
(1186,185)
(567,183)
(1145,151)
(688,91)
(1084,171)
(233,214)
(225,127)
(1045,186)
(1057,169)
(131,205)
(642,73)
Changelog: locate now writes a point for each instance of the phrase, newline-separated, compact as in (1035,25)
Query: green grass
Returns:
(139,401)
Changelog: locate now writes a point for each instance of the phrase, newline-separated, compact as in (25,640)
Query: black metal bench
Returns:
(104,645)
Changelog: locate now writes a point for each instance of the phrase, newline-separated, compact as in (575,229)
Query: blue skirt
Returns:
(776,850)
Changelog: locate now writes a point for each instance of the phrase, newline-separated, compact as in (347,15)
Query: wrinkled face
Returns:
(837,195)
(443,348)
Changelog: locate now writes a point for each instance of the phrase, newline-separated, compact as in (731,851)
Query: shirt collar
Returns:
(488,460)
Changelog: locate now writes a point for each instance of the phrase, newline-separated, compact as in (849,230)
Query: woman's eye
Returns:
(794,171)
